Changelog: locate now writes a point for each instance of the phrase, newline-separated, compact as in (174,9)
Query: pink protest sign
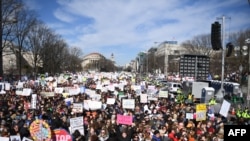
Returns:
(127,120)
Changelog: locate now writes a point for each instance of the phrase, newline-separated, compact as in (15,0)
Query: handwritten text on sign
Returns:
(127,120)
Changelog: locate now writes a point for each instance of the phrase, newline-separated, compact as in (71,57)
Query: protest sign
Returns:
(225,108)
(15,138)
(77,107)
(47,94)
(143,98)
(163,94)
(76,124)
(122,119)
(61,135)
(128,103)
(201,110)
(111,101)
(40,130)
(33,101)
(26,139)
(58,90)
(4,139)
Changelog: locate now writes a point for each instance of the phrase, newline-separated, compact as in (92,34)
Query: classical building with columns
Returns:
(92,61)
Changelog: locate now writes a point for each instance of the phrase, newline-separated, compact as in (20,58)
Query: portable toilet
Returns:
(235,88)
(206,94)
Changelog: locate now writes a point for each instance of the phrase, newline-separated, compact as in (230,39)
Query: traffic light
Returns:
(230,48)
(216,36)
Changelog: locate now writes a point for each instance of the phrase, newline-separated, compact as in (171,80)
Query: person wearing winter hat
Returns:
(156,136)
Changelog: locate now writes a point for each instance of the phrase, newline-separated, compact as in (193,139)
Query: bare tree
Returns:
(54,54)
(37,38)
(74,59)
(200,45)
(8,20)
(26,19)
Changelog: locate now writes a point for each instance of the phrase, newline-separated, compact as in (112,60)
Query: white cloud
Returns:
(139,23)
(63,16)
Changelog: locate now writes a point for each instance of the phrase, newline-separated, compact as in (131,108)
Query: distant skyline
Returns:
(127,27)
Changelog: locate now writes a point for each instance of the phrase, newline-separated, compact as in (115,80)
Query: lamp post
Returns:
(240,69)
(245,50)
(247,41)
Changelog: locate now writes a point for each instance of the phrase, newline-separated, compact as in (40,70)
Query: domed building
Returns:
(93,61)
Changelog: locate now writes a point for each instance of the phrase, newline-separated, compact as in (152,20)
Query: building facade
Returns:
(92,61)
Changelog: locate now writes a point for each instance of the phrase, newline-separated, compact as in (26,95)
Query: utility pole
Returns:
(220,94)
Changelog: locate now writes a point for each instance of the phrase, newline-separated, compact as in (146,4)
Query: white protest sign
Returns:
(95,105)
(74,91)
(128,103)
(26,139)
(15,138)
(225,108)
(111,101)
(4,139)
(111,87)
(19,85)
(76,121)
(33,101)
(98,86)
(7,86)
(86,105)
(77,108)
(19,91)
(58,90)
(76,124)
(143,98)
(189,116)
(26,92)
(163,94)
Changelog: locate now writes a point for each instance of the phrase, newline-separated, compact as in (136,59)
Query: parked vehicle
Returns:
(173,87)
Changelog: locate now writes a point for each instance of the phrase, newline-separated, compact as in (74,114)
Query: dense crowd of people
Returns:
(160,119)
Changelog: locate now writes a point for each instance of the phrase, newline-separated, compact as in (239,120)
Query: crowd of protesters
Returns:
(161,119)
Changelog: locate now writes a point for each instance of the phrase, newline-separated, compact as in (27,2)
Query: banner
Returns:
(127,120)
(61,135)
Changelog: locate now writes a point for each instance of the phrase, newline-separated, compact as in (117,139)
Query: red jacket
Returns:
(172,137)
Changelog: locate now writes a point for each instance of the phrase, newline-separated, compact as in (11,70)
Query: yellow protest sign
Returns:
(201,107)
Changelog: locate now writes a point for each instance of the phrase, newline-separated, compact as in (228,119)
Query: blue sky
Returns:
(126,27)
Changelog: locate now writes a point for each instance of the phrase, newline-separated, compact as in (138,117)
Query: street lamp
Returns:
(247,42)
